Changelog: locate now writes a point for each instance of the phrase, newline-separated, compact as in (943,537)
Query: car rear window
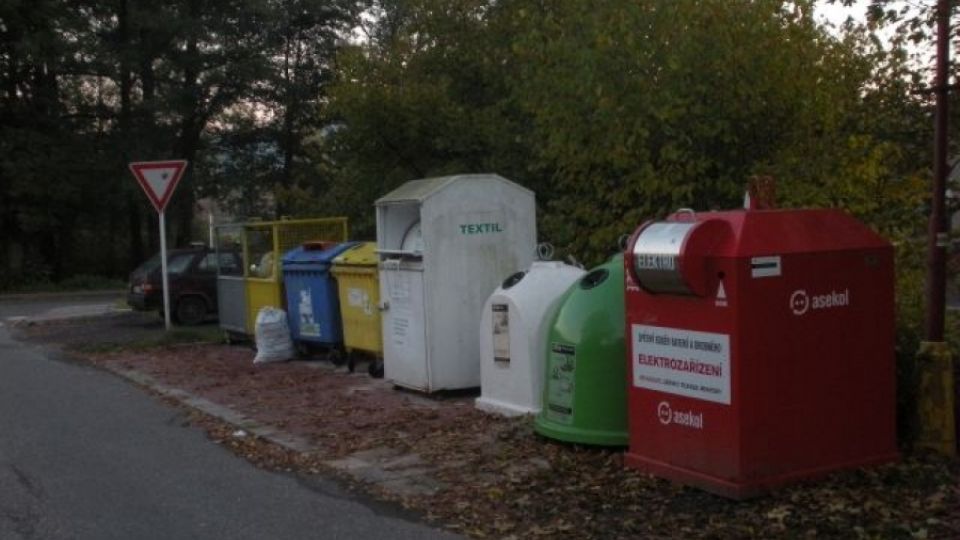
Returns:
(149,265)
(228,262)
(179,263)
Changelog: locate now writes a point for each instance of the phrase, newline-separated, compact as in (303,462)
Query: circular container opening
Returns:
(513,280)
(594,278)
(413,239)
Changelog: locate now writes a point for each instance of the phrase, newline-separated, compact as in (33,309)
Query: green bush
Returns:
(28,283)
(910,313)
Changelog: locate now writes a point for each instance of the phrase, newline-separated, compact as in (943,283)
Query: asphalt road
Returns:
(85,455)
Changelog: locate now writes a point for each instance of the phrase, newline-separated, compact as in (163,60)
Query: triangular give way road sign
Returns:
(158,179)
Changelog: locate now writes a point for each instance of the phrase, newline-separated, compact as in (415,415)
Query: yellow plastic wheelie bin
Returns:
(359,289)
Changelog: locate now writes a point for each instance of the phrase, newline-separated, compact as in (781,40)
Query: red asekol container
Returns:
(760,347)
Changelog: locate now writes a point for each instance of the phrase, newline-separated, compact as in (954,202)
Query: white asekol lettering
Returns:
(801,302)
(667,415)
(834,299)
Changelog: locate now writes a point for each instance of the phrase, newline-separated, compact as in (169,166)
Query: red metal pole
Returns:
(936,260)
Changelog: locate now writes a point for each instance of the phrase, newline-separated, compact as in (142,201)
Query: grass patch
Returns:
(179,335)
(82,282)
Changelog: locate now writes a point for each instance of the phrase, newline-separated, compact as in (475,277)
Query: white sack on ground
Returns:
(272,336)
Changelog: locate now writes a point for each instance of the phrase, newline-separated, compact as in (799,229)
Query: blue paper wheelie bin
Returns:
(313,308)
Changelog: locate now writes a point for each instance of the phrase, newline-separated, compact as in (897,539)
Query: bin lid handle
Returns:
(687,212)
(544,251)
(317,245)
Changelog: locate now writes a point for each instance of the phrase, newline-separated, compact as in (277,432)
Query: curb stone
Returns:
(383,467)
(228,415)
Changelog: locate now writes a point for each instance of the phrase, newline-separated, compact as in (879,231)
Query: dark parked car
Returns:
(192,274)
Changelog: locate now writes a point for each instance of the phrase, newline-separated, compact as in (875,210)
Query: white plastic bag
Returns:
(272,336)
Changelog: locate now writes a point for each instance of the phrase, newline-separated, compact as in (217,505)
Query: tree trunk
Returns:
(190,128)
(125,137)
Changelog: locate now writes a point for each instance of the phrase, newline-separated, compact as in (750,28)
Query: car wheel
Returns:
(191,310)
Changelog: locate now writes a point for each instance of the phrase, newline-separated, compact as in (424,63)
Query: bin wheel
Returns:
(336,357)
(234,338)
(351,362)
(191,310)
(375,369)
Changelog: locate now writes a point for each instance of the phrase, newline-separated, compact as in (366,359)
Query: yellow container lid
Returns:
(363,254)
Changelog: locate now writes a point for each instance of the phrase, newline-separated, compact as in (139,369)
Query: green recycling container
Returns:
(585,394)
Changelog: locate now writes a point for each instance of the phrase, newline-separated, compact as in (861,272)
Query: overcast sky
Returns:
(837,13)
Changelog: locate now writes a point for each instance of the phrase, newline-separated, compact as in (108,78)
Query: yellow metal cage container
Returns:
(264,244)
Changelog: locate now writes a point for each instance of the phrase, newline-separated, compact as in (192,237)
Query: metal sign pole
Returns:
(163,271)
(158,180)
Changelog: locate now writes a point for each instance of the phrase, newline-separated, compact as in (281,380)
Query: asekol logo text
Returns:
(801,302)
(667,416)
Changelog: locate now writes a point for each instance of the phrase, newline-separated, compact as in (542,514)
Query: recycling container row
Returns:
(730,350)
(332,295)
(241,292)
(305,281)
(733,351)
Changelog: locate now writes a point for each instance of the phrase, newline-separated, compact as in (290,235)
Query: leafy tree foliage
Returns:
(426,93)
(87,86)
(617,112)
(613,112)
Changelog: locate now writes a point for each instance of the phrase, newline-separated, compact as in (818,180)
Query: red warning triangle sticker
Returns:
(158,179)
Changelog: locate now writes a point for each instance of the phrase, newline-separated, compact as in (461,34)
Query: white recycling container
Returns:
(444,244)
(513,336)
